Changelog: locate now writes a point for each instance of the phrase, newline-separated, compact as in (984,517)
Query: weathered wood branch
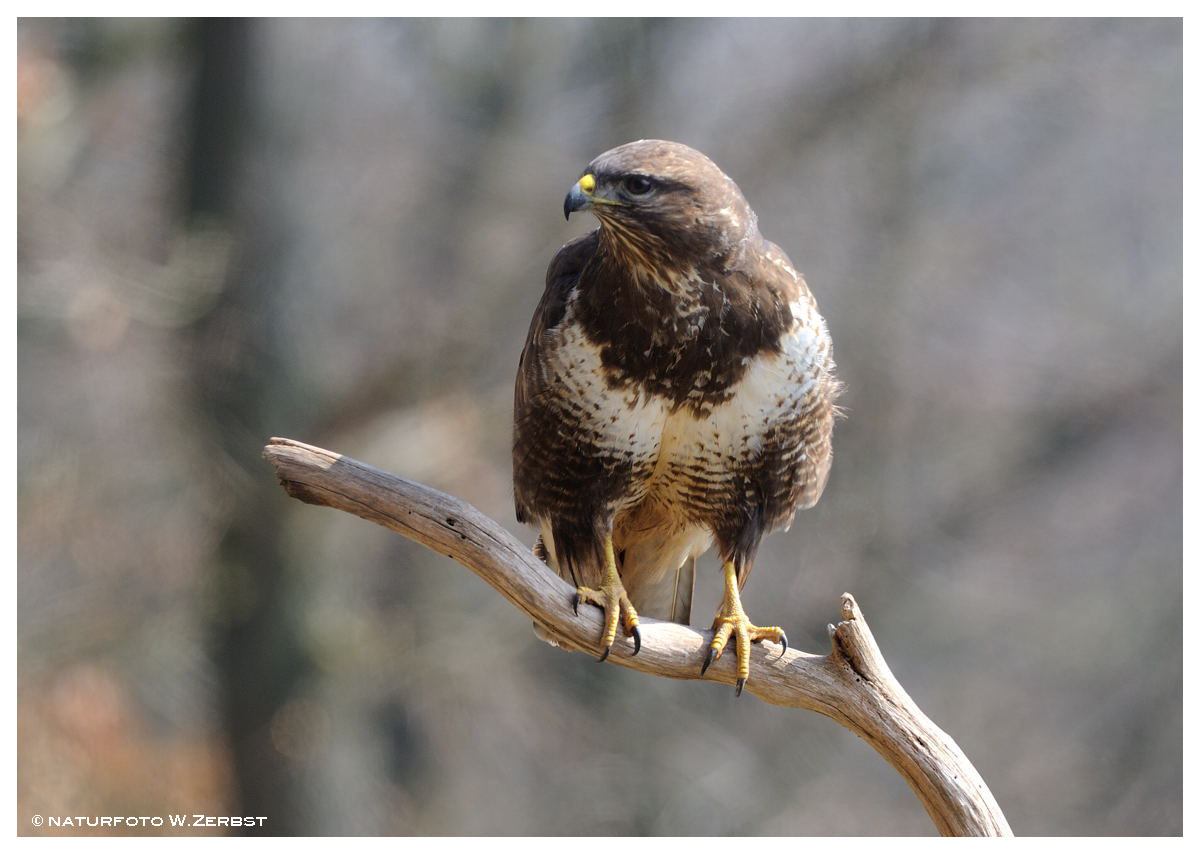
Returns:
(852,685)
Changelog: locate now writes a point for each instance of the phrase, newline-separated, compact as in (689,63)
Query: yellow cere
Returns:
(587,186)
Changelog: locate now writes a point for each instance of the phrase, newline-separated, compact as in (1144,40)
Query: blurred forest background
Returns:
(337,231)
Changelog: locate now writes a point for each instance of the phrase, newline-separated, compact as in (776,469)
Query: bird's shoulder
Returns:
(562,277)
(569,261)
(774,273)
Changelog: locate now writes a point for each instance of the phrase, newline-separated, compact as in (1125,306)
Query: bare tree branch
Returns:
(852,685)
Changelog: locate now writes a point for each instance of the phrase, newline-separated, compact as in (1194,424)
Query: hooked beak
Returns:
(580,197)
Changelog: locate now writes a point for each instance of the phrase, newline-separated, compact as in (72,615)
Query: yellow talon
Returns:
(732,621)
(612,598)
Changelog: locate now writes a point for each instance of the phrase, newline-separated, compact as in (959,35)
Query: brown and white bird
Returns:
(676,391)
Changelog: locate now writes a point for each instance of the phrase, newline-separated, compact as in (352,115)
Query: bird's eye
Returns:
(637,185)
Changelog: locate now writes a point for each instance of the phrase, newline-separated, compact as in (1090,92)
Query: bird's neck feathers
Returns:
(653,266)
(638,260)
(657,295)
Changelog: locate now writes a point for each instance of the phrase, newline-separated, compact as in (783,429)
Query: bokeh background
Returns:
(337,231)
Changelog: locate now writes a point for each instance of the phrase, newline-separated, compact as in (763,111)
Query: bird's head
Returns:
(653,196)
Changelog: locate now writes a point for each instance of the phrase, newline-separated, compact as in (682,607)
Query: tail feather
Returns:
(685,584)
(660,574)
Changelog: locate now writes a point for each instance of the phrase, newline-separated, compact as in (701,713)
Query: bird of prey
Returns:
(676,391)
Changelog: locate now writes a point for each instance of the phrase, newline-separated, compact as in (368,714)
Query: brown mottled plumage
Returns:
(676,387)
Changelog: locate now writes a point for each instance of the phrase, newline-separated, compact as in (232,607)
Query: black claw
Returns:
(782,640)
(607,650)
(637,640)
(575,604)
(708,659)
(741,683)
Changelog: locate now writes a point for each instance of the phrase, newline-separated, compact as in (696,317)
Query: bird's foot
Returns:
(732,622)
(614,601)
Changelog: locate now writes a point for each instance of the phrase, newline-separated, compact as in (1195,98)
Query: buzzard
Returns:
(676,391)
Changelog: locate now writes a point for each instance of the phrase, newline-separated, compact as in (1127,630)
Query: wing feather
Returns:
(561,278)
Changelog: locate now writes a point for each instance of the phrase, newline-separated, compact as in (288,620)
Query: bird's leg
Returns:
(611,597)
(732,621)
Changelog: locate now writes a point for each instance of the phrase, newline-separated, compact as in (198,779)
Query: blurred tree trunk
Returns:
(258,653)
